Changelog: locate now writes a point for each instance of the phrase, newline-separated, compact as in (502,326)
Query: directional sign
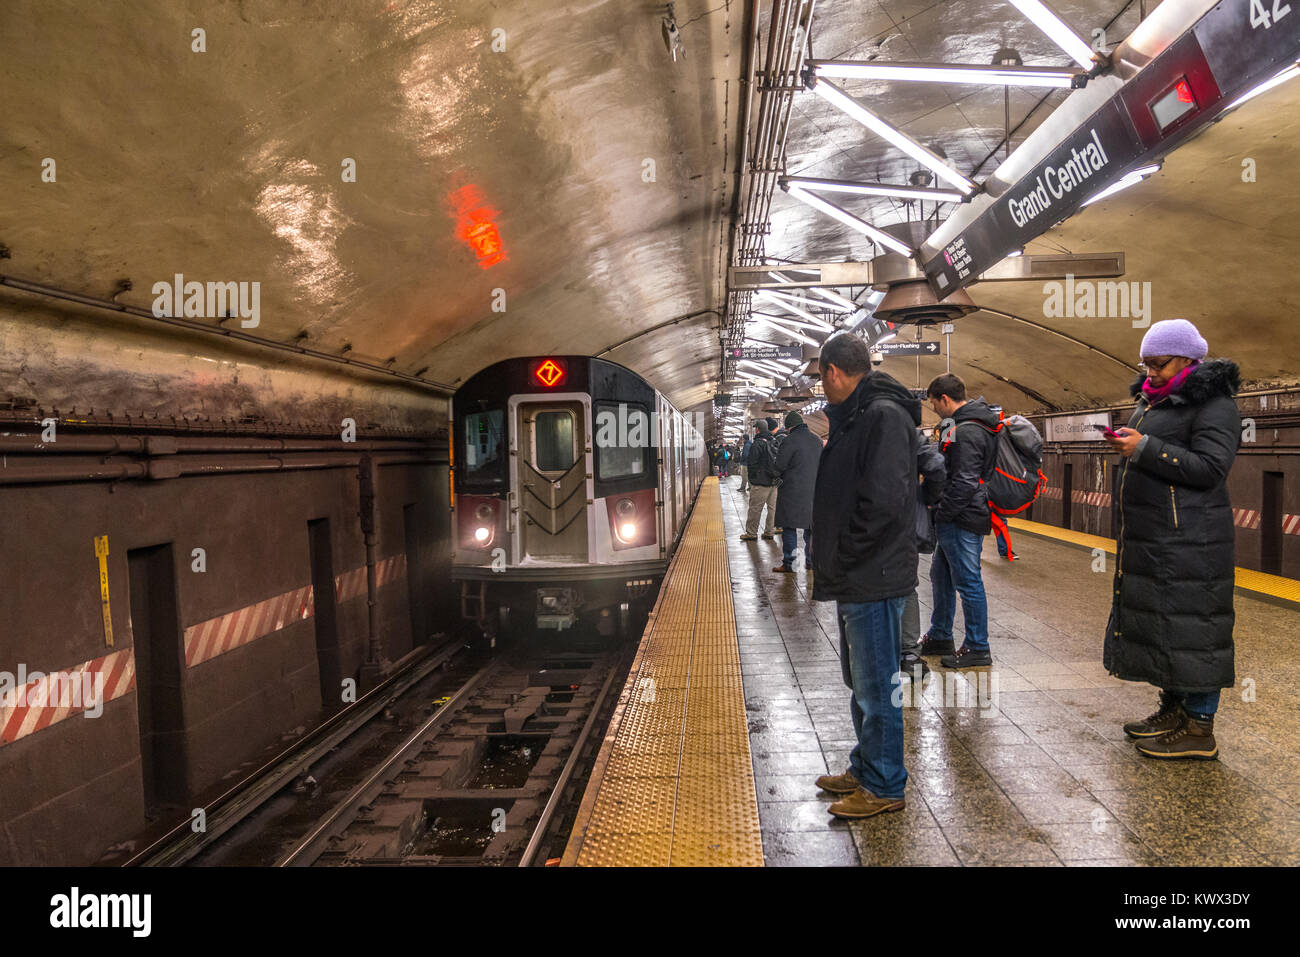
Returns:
(909,348)
(1194,59)
(767,352)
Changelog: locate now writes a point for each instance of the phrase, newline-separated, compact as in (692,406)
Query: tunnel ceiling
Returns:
(228,165)
(525,174)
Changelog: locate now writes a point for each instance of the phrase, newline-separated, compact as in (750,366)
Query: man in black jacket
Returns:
(763,480)
(864,517)
(962,519)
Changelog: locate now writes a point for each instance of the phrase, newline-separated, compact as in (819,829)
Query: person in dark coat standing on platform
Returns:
(743,459)
(796,464)
(763,481)
(1172,614)
(864,559)
(962,519)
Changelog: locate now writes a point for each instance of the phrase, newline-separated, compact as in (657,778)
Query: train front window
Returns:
(553,440)
(622,438)
(485,440)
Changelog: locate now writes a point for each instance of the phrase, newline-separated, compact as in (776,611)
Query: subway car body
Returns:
(572,478)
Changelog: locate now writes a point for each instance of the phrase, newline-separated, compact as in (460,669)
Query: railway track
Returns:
(453,760)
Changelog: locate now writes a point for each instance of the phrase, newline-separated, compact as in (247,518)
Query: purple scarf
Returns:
(1155,395)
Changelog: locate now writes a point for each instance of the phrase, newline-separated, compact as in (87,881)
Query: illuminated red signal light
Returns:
(1184,92)
(549,373)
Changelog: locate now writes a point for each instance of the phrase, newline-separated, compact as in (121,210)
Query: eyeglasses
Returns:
(1155,365)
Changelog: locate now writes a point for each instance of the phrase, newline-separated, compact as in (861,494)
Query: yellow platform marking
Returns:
(674,781)
(1247,579)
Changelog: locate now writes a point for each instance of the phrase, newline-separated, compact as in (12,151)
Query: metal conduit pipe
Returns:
(53,292)
(179,466)
(166,444)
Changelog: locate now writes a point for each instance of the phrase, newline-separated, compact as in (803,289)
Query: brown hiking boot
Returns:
(1193,739)
(862,803)
(844,783)
(1168,717)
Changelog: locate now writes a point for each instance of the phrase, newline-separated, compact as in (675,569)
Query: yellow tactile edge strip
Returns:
(1248,580)
(673,783)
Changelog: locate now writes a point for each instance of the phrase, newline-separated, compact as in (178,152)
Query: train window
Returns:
(484,446)
(621,440)
(553,439)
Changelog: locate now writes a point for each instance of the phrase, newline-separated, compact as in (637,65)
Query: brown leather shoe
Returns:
(1168,717)
(1194,739)
(844,783)
(862,803)
(784,570)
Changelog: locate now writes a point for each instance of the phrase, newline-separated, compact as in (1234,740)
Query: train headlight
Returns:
(482,533)
(483,513)
(627,531)
(625,508)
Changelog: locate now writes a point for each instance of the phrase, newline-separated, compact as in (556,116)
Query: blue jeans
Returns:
(790,545)
(954,568)
(1201,702)
(870,634)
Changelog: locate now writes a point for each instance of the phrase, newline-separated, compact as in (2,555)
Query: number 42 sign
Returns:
(1259,16)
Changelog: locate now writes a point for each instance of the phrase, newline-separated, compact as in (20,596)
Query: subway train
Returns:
(571,481)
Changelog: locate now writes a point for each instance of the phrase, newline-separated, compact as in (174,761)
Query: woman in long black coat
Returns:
(1172,613)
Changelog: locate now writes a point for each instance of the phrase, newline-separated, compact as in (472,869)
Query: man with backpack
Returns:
(763,480)
(962,519)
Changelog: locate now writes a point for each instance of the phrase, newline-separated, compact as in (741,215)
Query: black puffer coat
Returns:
(864,512)
(796,462)
(1171,621)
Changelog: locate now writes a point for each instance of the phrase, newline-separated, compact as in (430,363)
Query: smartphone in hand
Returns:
(1107,431)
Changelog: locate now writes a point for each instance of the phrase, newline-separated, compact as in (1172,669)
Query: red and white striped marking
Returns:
(352,584)
(216,636)
(51,698)
(1250,518)
(1245,518)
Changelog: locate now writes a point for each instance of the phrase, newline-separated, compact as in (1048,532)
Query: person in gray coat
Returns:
(796,464)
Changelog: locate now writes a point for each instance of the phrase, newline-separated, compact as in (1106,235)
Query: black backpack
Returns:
(762,455)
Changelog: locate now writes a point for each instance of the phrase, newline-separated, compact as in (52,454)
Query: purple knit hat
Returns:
(1174,337)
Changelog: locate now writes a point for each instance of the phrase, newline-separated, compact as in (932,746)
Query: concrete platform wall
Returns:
(73,787)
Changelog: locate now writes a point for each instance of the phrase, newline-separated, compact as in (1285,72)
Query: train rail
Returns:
(451,761)
(485,779)
(186,841)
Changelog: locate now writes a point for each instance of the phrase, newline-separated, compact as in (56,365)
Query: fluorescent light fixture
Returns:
(784,331)
(1124,182)
(789,303)
(1043,17)
(787,324)
(1288,73)
(885,338)
(790,321)
(845,305)
(1049,76)
(934,194)
(835,305)
(833,95)
(848,219)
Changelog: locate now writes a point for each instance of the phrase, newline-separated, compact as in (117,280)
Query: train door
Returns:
(552,479)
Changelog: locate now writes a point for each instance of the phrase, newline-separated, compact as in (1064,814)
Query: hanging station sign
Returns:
(1199,58)
(908,348)
(771,351)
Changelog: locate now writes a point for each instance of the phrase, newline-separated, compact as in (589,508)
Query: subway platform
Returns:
(1024,763)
